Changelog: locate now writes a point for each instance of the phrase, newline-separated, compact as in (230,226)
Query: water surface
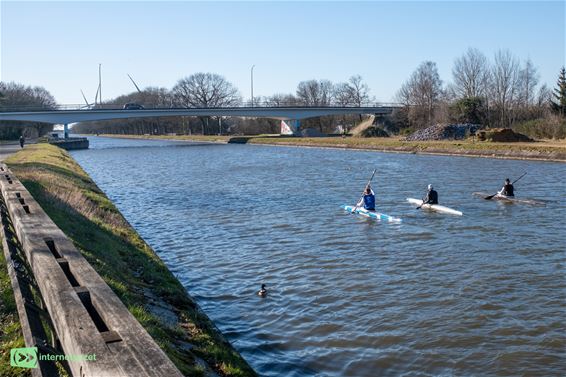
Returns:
(483,294)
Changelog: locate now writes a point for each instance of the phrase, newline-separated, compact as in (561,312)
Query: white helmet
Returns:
(430,187)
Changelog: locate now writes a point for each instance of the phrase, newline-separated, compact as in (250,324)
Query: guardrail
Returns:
(88,317)
(116,106)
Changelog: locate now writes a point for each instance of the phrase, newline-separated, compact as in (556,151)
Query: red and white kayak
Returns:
(434,207)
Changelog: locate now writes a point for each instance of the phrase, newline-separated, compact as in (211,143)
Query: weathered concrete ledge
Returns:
(88,317)
(29,303)
(70,143)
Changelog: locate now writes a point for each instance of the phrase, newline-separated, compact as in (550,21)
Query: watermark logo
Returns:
(28,357)
(24,357)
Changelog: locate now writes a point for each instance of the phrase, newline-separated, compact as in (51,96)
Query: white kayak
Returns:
(509,199)
(371,214)
(434,207)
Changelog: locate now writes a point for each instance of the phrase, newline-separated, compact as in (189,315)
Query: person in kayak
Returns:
(367,200)
(507,188)
(431,196)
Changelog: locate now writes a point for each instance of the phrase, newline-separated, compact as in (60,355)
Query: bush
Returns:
(551,127)
(374,131)
(468,110)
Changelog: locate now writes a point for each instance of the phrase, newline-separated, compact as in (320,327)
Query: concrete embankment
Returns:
(135,274)
(71,143)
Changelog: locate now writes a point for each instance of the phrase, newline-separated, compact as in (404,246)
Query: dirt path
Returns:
(7,149)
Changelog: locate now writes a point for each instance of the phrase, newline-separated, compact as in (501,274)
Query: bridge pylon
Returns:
(291,127)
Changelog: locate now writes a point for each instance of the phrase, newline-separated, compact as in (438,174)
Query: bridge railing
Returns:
(245,105)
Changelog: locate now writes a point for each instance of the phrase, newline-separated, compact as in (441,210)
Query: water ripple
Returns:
(482,294)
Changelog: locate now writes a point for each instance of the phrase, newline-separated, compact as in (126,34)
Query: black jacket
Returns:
(431,197)
(507,190)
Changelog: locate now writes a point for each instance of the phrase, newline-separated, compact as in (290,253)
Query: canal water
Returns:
(482,294)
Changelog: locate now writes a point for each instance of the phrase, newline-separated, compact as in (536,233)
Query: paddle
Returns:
(491,196)
(363,193)
(419,207)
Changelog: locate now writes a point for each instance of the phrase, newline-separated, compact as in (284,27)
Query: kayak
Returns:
(434,207)
(510,199)
(372,214)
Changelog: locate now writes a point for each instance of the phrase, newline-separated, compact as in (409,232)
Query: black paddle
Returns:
(356,207)
(419,207)
(491,196)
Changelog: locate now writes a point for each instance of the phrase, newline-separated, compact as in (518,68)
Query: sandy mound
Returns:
(502,135)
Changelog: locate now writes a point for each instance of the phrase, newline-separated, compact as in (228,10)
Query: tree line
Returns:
(18,97)
(213,90)
(497,92)
(502,92)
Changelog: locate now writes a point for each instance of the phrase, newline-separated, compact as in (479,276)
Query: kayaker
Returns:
(507,188)
(431,196)
(368,200)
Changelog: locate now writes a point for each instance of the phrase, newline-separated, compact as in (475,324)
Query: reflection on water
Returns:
(482,294)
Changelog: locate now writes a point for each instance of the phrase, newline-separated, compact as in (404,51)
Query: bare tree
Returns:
(544,96)
(20,97)
(315,93)
(279,100)
(359,90)
(422,92)
(471,74)
(528,81)
(504,84)
(205,90)
(343,94)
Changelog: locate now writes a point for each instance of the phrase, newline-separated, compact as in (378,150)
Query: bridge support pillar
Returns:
(291,127)
(66,130)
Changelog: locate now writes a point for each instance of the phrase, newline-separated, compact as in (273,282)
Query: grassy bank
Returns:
(540,150)
(127,264)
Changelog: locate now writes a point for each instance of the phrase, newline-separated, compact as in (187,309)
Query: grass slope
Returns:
(127,264)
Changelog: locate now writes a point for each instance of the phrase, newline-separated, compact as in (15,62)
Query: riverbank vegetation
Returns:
(126,262)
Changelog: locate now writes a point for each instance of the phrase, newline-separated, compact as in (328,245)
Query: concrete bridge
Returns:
(290,116)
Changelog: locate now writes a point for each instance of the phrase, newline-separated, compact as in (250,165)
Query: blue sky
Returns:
(58,45)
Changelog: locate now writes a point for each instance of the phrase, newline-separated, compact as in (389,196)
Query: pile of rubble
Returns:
(444,132)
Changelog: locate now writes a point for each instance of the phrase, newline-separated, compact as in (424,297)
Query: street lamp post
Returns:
(252,82)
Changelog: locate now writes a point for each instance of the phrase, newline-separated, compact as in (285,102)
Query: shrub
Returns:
(551,127)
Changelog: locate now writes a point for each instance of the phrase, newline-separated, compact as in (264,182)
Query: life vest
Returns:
(369,202)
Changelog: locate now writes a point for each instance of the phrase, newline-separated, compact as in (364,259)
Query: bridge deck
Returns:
(281,113)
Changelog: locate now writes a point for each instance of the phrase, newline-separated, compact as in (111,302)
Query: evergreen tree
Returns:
(559,102)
